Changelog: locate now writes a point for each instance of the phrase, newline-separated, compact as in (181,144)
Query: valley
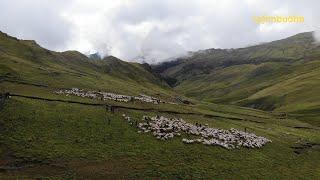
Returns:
(278,76)
(64,115)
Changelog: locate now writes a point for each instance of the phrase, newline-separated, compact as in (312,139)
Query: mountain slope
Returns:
(25,61)
(49,136)
(298,47)
(282,75)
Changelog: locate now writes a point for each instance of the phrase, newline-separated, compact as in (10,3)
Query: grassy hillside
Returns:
(26,62)
(61,140)
(282,75)
(46,135)
(298,47)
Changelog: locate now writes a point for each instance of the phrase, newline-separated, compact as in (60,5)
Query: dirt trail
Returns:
(132,108)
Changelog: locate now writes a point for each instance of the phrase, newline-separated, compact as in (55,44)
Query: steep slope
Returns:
(24,61)
(298,47)
(139,73)
(282,75)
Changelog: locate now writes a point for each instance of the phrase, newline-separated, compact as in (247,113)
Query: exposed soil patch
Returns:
(3,97)
(11,166)
(303,127)
(302,148)
(24,83)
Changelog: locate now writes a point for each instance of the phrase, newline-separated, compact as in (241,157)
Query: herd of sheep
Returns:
(108,96)
(166,128)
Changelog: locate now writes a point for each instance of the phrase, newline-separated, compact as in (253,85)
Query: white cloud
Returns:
(40,20)
(151,28)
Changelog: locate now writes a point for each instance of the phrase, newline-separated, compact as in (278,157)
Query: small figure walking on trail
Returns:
(110,108)
(109,120)
(131,100)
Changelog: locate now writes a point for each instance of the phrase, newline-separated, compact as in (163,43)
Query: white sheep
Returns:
(165,128)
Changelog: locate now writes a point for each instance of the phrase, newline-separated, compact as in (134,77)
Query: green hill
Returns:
(26,61)
(44,135)
(282,76)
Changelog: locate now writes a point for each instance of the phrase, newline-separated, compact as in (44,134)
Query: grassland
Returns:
(283,87)
(26,62)
(278,76)
(60,140)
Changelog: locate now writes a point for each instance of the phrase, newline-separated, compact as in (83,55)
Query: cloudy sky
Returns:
(154,29)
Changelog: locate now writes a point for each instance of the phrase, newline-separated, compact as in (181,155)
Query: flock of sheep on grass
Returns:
(166,128)
(108,96)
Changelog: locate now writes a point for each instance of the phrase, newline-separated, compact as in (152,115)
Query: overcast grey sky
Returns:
(155,29)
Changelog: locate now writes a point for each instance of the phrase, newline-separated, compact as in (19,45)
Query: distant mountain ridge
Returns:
(282,75)
(22,60)
(298,47)
(95,56)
